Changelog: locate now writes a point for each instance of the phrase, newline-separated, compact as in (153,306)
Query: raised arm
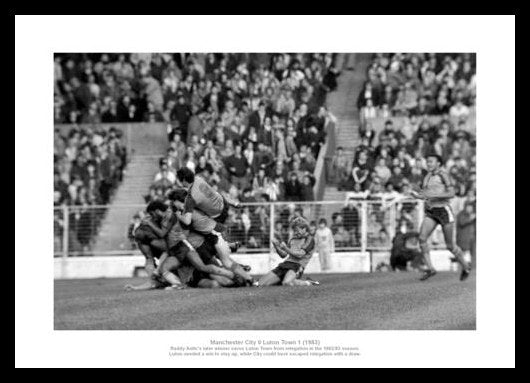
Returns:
(295,253)
(305,249)
(354,174)
(186,216)
(282,253)
(232,202)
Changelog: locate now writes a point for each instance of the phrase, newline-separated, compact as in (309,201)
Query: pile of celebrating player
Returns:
(184,246)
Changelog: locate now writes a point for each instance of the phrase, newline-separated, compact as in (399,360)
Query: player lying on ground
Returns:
(203,224)
(437,192)
(298,253)
(171,240)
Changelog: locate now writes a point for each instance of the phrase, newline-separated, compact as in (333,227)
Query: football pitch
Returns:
(378,301)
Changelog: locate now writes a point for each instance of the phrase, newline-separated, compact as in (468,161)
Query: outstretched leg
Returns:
(223,252)
(149,285)
(289,278)
(269,279)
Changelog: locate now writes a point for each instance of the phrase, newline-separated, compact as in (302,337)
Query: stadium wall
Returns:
(129,266)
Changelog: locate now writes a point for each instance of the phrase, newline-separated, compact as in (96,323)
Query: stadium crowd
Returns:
(419,84)
(251,124)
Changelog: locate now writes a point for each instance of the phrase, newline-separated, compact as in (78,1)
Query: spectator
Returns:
(165,175)
(405,251)
(293,188)
(307,193)
(459,109)
(339,168)
(397,178)
(342,237)
(238,168)
(357,194)
(351,219)
(152,114)
(382,171)
(247,197)
(281,232)
(360,171)
(337,221)
(325,244)
(60,187)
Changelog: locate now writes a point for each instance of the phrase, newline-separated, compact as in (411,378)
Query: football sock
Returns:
(171,278)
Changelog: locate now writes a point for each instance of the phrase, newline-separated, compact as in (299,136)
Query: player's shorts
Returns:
(190,276)
(207,252)
(180,250)
(196,277)
(441,215)
(284,267)
(221,218)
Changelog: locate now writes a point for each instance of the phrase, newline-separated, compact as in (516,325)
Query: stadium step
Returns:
(343,104)
(127,201)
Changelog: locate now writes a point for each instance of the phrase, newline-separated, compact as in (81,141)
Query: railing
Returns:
(364,226)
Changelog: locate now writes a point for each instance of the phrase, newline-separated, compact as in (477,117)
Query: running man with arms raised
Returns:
(437,191)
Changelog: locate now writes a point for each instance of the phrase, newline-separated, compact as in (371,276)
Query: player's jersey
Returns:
(177,232)
(437,182)
(307,244)
(143,233)
(203,197)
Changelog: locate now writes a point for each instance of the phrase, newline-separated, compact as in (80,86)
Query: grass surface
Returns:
(379,301)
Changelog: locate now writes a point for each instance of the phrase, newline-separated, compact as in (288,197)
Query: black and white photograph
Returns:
(282,190)
(268,191)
